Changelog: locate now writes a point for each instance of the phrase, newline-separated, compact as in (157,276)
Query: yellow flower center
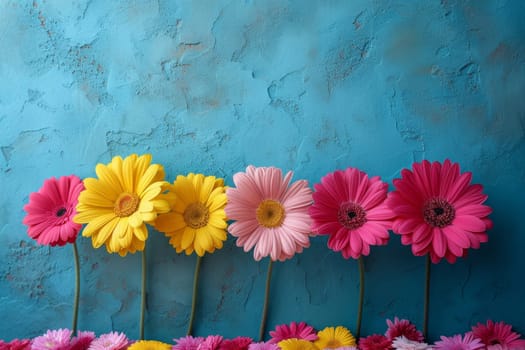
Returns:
(270,213)
(196,215)
(126,204)
(333,344)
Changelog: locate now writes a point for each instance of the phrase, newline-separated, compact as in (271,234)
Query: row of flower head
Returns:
(434,207)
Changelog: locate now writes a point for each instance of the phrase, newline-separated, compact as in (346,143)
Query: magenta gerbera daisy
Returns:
(110,341)
(82,340)
(294,330)
(438,211)
(458,342)
(211,342)
(238,343)
(187,343)
(16,344)
(50,211)
(402,328)
(269,214)
(494,333)
(375,342)
(349,206)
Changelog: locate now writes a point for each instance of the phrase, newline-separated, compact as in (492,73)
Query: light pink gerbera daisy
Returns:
(59,339)
(187,343)
(269,215)
(50,211)
(295,330)
(438,211)
(211,342)
(350,208)
(375,342)
(402,343)
(16,344)
(457,342)
(110,341)
(238,343)
(494,333)
(402,328)
(263,346)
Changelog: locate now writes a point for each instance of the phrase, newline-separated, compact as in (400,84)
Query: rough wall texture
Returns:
(212,86)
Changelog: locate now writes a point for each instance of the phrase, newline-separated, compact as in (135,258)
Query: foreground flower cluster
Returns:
(400,334)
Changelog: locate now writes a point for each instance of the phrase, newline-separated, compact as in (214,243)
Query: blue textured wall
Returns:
(212,86)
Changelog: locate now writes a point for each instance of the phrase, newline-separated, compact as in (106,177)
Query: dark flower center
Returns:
(60,212)
(196,215)
(351,215)
(438,212)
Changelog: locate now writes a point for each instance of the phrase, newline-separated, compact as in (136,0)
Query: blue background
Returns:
(212,86)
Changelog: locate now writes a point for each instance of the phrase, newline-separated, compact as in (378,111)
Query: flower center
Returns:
(60,212)
(333,344)
(270,213)
(126,204)
(196,215)
(438,212)
(351,215)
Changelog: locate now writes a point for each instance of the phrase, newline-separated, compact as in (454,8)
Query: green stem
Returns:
(427,297)
(361,296)
(266,297)
(194,296)
(143,295)
(77,289)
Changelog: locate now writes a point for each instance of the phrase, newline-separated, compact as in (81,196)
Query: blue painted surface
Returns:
(212,86)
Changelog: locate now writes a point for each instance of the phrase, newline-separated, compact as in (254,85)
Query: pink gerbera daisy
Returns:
(110,341)
(494,333)
(350,208)
(53,340)
(50,211)
(295,330)
(263,346)
(82,341)
(187,343)
(402,328)
(438,211)
(16,344)
(238,343)
(402,343)
(375,342)
(211,342)
(457,342)
(269,215)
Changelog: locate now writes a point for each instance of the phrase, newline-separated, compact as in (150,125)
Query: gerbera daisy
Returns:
(296,344)
(50,211)
(457,342)
(238,343)
(263,346)
(334,337)
(187,343)
(82,341)
(211,342)
(375,342)
(438,211)
(197,221)
(402,343)
(402,328)
(16,344)
(493,333)
(53,340)
(117,205)
(350,208)
(270,215)
(295,330)
(110,341)
(149,345)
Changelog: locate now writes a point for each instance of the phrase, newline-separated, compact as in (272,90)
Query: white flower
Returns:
(402,343)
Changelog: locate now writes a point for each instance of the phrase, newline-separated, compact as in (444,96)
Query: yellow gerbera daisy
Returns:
(117,205)
(331,338)
(296,344)
(149,345)
(197,221)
